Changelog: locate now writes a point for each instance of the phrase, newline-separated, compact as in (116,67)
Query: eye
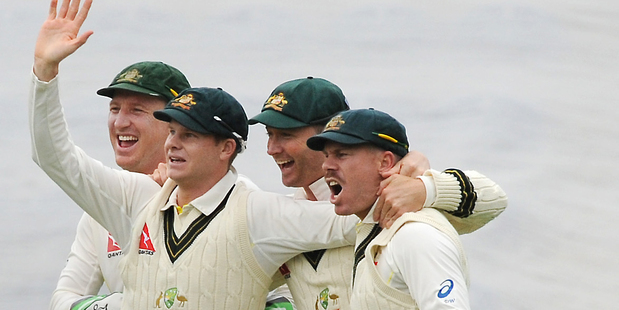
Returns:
(114,109)
(139,109)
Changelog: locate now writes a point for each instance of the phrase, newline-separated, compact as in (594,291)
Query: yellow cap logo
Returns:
(276,102)
(184,102)
(335,123)
(131,76)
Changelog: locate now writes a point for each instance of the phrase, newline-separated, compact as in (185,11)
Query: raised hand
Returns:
(401,191)
(398,194)
(58,37)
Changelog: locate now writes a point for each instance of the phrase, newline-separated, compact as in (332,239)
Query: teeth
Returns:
(333,183)
(282,162)
(127,138)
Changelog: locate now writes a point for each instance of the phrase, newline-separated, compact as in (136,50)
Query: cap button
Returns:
(310,77)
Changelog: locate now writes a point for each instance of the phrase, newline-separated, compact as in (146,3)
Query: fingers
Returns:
(389,217)
(70,10)
(411,171)
(79,41)
(64,7)
(383,184)
(163,169)
(383,210)
(74,6)
(378,209)
(414,164)
(83,13)
(388,224)
(52,9)
(394,170)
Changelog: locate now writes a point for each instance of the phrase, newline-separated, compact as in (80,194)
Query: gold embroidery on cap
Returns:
(335,123)
(276,102)
(131,76)
(184,102)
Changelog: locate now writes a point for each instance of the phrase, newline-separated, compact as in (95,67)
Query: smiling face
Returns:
(353,175)
(300,166)
(136,136)
(195,159)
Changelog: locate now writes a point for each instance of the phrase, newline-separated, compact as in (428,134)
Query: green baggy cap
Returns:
(153,78)
(363,126)
(210,111)
(301,103)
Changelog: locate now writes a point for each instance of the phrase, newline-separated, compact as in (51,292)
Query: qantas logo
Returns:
(146,246)
(113,249)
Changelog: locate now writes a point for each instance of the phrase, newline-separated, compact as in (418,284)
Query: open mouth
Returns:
(335,187)
(176,160)
(283,164)
(127,141)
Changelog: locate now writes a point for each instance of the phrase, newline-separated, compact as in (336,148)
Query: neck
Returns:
(363,213)
(189,191)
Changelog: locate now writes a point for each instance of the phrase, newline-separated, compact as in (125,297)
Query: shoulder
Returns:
(417,238)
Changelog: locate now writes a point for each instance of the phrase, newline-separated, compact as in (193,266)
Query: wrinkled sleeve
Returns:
(112,197)
(468,199)
(281,227)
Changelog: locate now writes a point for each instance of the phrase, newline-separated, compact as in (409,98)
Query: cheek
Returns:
(111,118)
(111,131)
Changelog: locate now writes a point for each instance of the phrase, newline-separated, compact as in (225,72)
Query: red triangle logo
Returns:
(112,245)
(145,243)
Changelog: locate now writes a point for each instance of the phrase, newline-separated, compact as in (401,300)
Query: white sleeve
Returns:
(82,274)
(468,198)
(429,264)
(112,197)
(281,227)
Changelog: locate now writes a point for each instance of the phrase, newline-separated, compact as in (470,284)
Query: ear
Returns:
(387,161)
(228,149)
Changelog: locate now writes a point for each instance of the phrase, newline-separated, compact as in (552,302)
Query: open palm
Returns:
(58,37)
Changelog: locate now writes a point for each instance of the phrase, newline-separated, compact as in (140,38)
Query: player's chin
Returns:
(342,210)
(126,161)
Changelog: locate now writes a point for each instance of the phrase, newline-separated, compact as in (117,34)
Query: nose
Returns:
(121,119)
(273,146)
(171,142)
(328,164)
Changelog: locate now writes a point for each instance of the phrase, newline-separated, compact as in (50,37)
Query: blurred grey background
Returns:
(524,92)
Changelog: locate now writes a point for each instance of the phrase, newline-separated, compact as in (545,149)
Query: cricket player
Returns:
(204,240)
(417,263)
(299,109)
(137,139)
